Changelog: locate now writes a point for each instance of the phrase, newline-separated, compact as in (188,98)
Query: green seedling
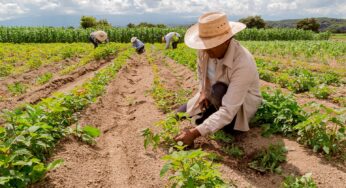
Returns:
(44,78)
(87,134)
(17,88)
(269,159)
(304,181)
(233,151)
(222,136)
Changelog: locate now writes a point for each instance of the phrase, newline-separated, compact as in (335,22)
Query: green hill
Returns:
(334,25)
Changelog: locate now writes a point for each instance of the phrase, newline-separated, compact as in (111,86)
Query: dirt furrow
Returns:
(59,83)
(119,158)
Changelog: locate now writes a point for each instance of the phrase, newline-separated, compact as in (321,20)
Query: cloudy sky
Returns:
(120,12)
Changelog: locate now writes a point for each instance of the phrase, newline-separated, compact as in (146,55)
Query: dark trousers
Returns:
(140,50)
(95,43)
(174,45)
(218,91)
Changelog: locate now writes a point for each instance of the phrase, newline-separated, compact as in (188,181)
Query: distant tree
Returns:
(103,23)
(131,25)
(308,24)
(88,21)
(146,24)
(161,26)
(253,22)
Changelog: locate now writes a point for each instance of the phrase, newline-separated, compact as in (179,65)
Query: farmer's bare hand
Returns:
(188,136)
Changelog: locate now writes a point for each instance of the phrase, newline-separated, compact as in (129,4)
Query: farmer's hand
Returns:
(188,136)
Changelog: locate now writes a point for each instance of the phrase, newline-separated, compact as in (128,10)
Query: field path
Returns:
(119,158)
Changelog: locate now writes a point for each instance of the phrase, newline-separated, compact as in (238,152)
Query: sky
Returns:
(171,12)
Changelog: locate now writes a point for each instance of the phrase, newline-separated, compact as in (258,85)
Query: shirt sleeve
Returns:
(238,88)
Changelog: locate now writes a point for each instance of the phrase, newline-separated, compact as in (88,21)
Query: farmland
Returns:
(84,117)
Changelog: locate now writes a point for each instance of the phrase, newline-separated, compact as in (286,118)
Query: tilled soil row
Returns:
(119,158)
(75,78)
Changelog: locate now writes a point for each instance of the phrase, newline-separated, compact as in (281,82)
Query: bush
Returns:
(88,21)
(253,22)
(308,24)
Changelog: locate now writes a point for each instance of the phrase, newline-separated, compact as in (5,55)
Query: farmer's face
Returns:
(218,51)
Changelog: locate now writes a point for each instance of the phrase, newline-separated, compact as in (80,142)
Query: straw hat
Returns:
(133,39)
(212,29)
(101,36)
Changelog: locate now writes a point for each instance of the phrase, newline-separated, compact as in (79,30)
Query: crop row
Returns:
(53,35)
(182,164)
(323,129)
(31,132)
(312,51)
(18,58)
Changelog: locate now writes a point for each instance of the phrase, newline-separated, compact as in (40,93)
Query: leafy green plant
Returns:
(324,132)
(266,75)
(303,80)
(270,159)
(304,181)
(5,69)
(44,78)
(192,169)
(170,128)
(222,136)
(279,113)
(233,150)
(17,88)
(321,92)
(87,133)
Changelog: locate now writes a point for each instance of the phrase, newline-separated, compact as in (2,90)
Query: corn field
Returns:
(148,35)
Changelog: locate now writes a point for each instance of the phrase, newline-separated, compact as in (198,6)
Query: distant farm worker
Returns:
(171,37)
(229,92)
(139,45)
(98,37)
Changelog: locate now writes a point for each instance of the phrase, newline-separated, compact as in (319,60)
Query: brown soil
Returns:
(119,158)
(57,84)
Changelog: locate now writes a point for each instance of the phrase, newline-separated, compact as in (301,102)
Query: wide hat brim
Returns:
(101,36)
(193,40)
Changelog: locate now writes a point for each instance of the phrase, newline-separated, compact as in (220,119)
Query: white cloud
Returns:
(269,9)
(10,10)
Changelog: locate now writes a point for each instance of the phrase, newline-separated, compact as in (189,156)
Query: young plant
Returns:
(87,133)
(270,159)
(17,88)
(192,169)
(170,129)
(279,113)
(324,132)
(321,92)
(222,136)
(233,150)
(304,181)
(44,78)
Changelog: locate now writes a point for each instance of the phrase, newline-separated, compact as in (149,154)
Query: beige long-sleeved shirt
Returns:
(238,70)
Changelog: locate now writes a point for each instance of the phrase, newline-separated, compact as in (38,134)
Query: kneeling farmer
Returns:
(229,93)
(98,37)
(138,45)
